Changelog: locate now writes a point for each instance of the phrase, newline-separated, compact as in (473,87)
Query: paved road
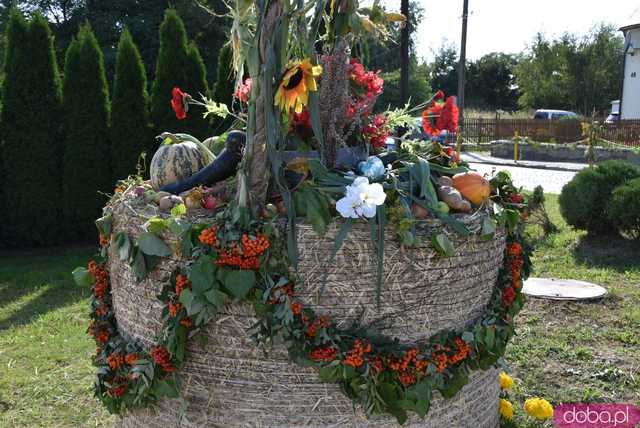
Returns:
(550,180)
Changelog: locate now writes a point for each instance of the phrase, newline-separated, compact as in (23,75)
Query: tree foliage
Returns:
(491,82)
(130,131)
(443,73)
(86,158)
(572,73)
(31,141)
(178,65)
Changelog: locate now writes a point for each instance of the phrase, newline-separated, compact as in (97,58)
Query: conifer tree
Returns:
(130,131)
(86,158)
(178,65)
(223,92)
(30,130)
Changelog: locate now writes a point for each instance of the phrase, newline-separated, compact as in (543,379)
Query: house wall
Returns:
(631,90)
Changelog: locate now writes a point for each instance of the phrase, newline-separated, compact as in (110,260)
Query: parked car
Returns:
(548,114)
(612,118)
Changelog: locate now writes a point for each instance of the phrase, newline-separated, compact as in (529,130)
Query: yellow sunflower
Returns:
(298,80)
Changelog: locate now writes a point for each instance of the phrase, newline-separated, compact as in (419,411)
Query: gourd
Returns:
(178,157)
(472,186)
(452,197)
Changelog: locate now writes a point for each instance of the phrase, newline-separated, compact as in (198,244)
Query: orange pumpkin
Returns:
(473,186)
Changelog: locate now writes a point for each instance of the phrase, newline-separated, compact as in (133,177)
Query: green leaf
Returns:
(240,282)
(166,389)
(82,277)
(202,274)
(488,229)
(442,244)
(490,337)
(179,210)
(139,265)
(186,297)
(152,245)
(104,224)
(123,243)
(468,337)
(178,226)
(157,225)
(340,237)
(216,297)
(329,374)
(454,384)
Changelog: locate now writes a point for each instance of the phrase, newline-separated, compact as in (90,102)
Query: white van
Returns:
(547,114)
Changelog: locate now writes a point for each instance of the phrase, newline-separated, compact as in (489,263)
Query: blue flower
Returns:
(372,168)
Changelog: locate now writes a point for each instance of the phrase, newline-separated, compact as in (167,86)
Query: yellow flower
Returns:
(506,409)
(506,381)
(539,408)
(297,82)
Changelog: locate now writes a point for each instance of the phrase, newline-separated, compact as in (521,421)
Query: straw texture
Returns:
(232,383)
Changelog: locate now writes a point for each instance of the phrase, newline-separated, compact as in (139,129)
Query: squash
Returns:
(472,186)
(176,161)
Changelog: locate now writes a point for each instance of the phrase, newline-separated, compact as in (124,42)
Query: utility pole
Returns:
(404,54)
(462,63)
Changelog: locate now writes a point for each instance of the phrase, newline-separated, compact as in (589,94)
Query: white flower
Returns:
(361,199)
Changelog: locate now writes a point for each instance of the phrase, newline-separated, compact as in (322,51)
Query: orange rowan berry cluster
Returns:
(102,310)
(102,336)
(463,351)
(376,365)
(115,360)
(296,308)
(515,262)
(408,367)
(101,276)
(162,358)
(131,359)
(186,322)
(322,322)
(182,283)
(209,236)
(246,255)
(104,240)
(174,308)
(325,353)
(355,356)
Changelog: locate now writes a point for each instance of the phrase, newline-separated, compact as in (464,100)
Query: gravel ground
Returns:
(550,180)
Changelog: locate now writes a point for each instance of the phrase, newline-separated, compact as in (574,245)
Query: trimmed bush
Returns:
(130,131)
(624,211)
(31,138)
(178,65)
(584,201)
(86,158)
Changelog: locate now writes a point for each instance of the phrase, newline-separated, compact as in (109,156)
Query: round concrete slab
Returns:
(562,289)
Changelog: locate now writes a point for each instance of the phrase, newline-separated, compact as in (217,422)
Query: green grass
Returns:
(563,352)
(45,370)
(578,352)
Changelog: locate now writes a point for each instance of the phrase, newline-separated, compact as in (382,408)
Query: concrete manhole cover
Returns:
(562,289)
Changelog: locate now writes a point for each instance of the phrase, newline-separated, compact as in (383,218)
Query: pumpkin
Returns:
(175,162)
(472,186)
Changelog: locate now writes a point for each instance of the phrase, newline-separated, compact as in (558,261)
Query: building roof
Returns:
(629,27)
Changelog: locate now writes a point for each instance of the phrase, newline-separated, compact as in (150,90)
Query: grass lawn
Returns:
(564,351)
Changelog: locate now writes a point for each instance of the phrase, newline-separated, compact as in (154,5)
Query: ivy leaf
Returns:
(442,244)
(240,282)
(454,384)
(139,265)
(82,277)
(152,245)
(123,243)
(186,297)
(468,337)
(202,274)
(216,297)
(178,226)
(490,337)
(488,229)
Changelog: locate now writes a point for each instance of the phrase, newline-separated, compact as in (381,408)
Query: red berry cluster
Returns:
(515,262)
(131,359)
(377,131)
(355,356)
(118,387)
(162,358)
(101,285)
(115,361)
(325,353)
(182,283)
(246,255)
(366,87)
(408,366)
(209,236)
(312,329)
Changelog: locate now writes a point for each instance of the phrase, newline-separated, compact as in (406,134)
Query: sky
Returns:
(510,25)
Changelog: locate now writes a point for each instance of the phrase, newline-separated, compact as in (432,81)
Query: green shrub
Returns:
(31,138)
(130,131)
(178,65)
(86,159)
(584,201)
(624,211)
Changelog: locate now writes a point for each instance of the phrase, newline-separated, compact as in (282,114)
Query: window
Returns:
(540,115)
(633,74)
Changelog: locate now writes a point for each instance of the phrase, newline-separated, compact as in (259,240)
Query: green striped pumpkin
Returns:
(175,162)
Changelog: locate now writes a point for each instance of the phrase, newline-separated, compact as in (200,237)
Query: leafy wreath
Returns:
(249,264)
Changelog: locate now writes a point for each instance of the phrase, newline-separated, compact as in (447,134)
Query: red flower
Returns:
(516,198)
(302,119)
(430,119)
(455,157)
(244,91)
(179,103)
(438,96)
(449,116)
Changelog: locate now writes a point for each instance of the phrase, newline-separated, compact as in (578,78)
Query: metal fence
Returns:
(626,132)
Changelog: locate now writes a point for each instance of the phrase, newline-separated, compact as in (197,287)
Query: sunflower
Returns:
(297,81)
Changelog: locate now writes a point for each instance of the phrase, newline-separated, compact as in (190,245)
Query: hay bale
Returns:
(233,383)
